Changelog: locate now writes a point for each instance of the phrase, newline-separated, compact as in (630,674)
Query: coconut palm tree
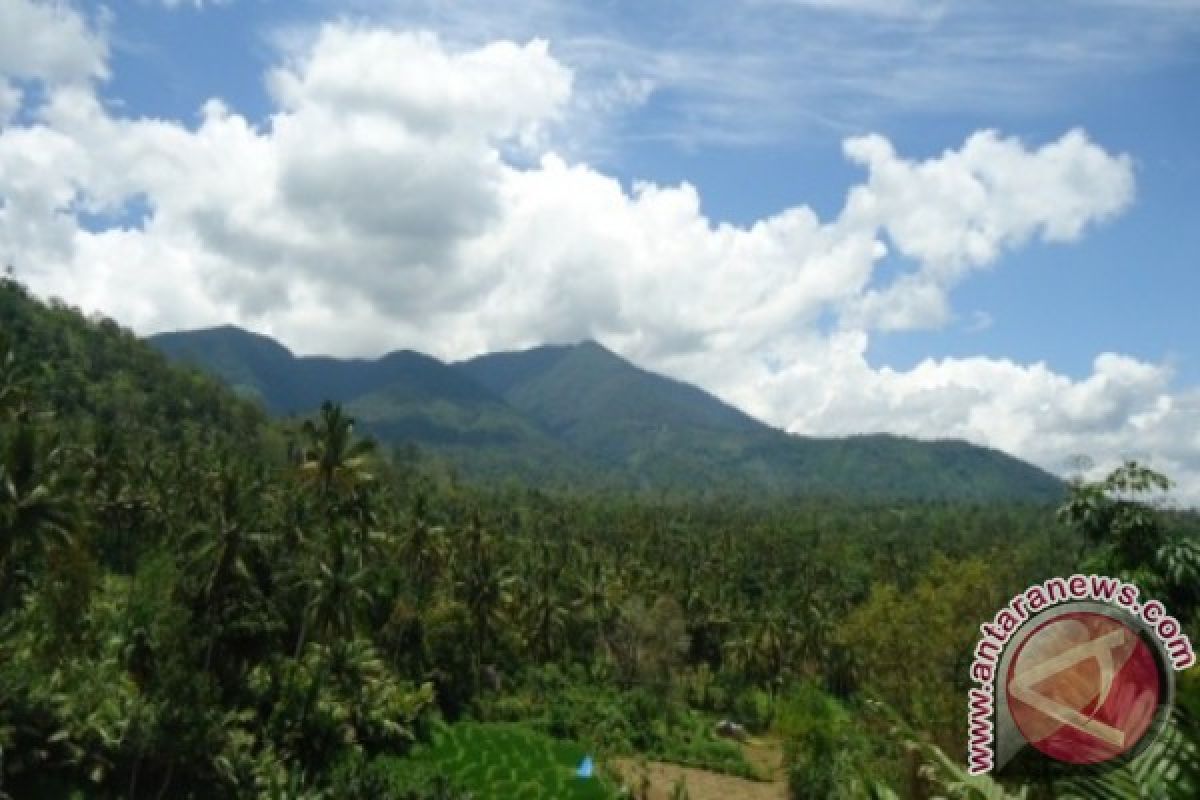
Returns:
(37,506)
(223,548)
(484,587)
(334,461)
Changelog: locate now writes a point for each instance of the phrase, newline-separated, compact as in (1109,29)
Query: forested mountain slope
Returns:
(401,398)
(580,415)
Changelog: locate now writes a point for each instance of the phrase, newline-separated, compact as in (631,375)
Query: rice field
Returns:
(508,761)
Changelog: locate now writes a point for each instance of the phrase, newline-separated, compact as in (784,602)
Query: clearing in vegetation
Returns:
(661,779)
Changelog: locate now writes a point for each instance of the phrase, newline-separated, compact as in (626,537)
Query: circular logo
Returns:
(1084,687)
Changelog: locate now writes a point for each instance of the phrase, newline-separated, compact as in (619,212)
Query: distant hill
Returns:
(260,367)
(580,414)
(607,407)
(401,398)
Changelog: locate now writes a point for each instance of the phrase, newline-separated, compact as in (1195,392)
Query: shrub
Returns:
(823,750)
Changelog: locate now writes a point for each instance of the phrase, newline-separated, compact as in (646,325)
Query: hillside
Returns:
(582,415)
(260,367)
(661,432)
(198,603)
(96,378)
(403,397)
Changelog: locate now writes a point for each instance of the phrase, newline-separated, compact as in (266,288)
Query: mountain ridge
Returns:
(581,415)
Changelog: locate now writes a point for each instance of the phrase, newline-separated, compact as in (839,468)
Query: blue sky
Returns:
(1128,73)
(941,219)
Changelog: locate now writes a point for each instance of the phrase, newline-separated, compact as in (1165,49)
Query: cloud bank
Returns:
(406,193)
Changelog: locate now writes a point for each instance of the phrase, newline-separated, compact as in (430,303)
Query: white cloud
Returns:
(403,195)
(957,212)
(49,41)
(753,71)
(499,91)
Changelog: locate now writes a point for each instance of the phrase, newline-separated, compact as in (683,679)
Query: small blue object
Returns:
(585,767)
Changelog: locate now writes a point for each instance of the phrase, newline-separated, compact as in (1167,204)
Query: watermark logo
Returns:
(1076,668)
(1083,687)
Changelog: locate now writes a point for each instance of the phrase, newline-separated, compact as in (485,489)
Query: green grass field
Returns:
(505,760)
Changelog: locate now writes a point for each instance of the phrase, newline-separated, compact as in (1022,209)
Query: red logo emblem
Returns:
(1084,688)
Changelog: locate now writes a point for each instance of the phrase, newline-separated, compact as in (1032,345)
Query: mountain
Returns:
(661,432)
(652,430)
(601,403)
(261,368)
(580,414)
(403,397)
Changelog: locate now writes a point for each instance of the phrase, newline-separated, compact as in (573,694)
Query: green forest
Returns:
(579,416)
(200,601)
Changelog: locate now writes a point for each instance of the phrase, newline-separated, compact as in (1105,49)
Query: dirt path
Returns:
(661,777)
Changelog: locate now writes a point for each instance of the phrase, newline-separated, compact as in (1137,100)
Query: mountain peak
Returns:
(578,412)
(594,349)
(588,389)
(227,335)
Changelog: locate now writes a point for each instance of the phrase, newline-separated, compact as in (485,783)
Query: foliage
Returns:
(500,760)
(918,642)
(580,416)
(1122,518)
(199,602)
(612,721)
(1167,770)
(826,751)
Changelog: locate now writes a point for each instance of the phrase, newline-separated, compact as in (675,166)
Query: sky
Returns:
(969,220)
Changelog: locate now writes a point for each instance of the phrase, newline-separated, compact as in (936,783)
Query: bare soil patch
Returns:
(662,777)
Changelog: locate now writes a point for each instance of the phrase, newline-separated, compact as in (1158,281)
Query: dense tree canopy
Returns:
(198,602)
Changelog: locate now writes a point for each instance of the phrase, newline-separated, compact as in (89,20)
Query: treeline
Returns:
(197,602)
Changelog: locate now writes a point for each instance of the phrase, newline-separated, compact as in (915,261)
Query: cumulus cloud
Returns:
(50,42)
(957,213)
(404,194)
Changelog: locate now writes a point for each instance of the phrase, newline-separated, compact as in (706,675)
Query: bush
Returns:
(823,750)
(755,709)
(391,778)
